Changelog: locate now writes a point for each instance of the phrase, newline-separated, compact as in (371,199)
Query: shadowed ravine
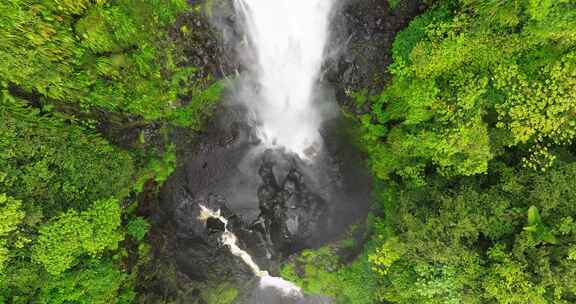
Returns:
(274,203)
(269,178)
(285,47)
(283,56)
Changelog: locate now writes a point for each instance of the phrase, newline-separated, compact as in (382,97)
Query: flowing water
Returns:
(287,289)
(286,43)
(230,240)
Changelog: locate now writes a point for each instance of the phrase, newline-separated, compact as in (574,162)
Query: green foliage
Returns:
(539,231)
(138,228)
(72,235)
(318,268)
(321,272)
(473,140)
(52,170)
(471,80)
(224,293)
(393,3)
(471,244)
(69,69)
(111,55)
(200,106)
(10,217)
(66,265)
(157,168)
(52,165)
(97,282)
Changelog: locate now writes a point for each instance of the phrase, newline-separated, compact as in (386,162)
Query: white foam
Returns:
(229,239)
(287,288)
(287,39)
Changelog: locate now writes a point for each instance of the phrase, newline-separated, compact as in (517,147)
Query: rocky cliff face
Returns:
(364,32)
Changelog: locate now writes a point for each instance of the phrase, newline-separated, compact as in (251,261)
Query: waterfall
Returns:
(283,53)
(286,42)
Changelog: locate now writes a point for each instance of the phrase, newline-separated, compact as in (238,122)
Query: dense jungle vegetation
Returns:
(73,75)
(472,141)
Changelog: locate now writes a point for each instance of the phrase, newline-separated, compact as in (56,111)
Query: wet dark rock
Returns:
(291,214)
(201,45)
(214,225)
(364,31)
(275,203)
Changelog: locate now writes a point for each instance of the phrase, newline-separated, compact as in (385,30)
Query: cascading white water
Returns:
(287,39)
(229,239)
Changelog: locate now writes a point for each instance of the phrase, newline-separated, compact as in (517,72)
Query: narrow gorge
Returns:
(275,175)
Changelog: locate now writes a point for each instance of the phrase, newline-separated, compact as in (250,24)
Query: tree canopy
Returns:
(472,143)
(473,139)
(73,73)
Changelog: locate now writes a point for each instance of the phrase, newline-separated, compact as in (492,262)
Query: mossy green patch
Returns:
(321,272)
(224,293)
